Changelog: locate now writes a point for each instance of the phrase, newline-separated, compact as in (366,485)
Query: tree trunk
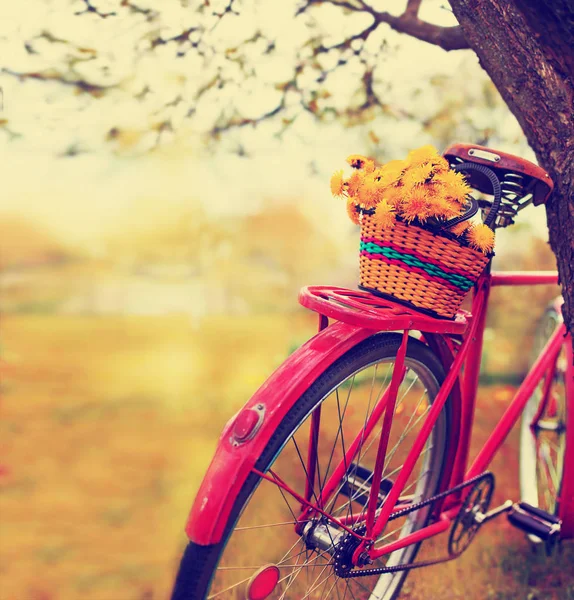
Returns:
(526,47)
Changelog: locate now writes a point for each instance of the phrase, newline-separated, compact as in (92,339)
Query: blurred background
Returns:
(165,194)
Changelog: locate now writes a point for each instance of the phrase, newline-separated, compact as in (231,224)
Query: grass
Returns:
(108,424)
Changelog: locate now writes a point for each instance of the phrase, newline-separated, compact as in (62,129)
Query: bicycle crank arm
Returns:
(495,512)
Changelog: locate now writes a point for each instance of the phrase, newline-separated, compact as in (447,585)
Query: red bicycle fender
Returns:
(233,460)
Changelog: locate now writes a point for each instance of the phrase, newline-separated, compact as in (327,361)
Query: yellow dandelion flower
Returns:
(392,172)
(354,183)
(384,215)
(423,155)
(352,211)
(454,185)
(416,205)
(460,228)
(418,175)
(369,166)
(370,192)
(393,195)
(337,184)
(440,164)
(481,237)
(441,205)
(358,161)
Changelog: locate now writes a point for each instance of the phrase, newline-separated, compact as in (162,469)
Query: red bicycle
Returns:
(355,450)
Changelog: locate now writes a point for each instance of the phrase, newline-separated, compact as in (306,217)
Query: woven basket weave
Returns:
(423,269)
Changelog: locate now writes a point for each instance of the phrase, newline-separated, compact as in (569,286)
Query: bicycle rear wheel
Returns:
(261,528)
(543,431)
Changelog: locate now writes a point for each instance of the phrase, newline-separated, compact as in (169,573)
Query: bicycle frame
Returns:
(468,361)
(248,432)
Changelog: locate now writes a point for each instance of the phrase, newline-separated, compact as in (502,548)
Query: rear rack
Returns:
(363,309)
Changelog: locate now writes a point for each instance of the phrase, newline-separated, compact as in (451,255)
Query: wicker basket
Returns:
(426,270)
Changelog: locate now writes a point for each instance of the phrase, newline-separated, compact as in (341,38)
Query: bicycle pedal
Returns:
(357,486)
(536,522)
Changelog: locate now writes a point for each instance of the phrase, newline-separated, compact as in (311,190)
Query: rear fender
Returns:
(233,460)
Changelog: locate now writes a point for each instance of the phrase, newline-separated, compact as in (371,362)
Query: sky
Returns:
(81,197)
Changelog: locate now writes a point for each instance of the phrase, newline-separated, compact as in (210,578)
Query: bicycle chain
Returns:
(401,513)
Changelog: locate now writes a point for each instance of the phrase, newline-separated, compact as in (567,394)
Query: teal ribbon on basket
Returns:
(410,260)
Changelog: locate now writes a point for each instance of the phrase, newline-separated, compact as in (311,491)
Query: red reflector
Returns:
(263,583)
(245,424)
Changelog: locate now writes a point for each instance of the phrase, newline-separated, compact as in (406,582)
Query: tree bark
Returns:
(526,47)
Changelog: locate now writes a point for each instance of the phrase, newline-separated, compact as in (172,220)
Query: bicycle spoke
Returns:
(548,468)
(314,585)
(388,534)
(286,501)
(229,588)
(408,429)
(292,576)
(339,430)
(326,584)
(343,445)
(361,586)
(311,483)
(369,413)
(388,476)
(413,483)
(337,453)
(358,461)
(263,526)
(297,541)
(394,449)
(295,575)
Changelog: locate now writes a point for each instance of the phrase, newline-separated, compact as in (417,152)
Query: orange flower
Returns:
(460,228)
(384,215)
(358,161)
(354,183)
(337,184)
(352,211)
(416,205)
(454,185)
(481,237)
(393,195)
(442,205)
(417,175)
(370,192)
(392,172)
(440,164)
(423,155)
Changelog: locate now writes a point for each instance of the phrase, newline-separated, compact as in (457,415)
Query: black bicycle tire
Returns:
(199,562)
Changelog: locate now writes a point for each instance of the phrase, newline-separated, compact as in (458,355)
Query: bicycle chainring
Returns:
(462,533)
(466,524)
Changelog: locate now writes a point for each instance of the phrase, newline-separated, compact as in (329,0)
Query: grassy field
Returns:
(108,425)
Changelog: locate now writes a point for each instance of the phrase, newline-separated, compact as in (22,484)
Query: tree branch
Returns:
(412,9)
(180,38)
(447,38)
(84,86)
(90,8)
